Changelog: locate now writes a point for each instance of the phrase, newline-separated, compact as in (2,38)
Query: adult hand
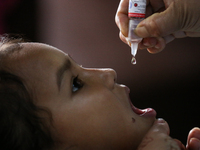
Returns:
(193,142)
(166,20)
(158,138)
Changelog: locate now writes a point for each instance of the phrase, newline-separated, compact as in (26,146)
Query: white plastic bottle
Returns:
(137,9)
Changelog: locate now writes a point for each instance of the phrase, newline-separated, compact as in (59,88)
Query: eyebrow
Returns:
(64,67)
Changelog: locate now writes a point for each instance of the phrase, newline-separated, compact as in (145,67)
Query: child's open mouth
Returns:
(148,112)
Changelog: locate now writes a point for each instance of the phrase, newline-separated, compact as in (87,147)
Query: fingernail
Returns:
(161,120)
(142,32)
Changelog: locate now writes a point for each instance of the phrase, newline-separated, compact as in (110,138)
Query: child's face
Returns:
(89,110)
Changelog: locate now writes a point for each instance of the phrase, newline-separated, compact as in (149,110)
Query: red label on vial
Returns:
(136,15)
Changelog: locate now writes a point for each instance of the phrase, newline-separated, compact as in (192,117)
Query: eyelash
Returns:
(77,84)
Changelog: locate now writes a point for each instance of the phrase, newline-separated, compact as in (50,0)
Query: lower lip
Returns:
(148,112)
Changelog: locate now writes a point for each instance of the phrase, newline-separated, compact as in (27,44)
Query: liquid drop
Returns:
(133,61)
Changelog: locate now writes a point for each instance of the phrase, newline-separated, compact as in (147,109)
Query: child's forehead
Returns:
(15,50)
(33,56)
(37,63)
(34,50)
(38,47)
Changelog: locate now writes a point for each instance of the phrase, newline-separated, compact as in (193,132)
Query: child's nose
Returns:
(108,77)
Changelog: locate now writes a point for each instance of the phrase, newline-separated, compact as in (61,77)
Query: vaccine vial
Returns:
(136,14)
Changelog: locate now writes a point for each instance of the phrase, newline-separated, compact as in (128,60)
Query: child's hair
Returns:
(20,126)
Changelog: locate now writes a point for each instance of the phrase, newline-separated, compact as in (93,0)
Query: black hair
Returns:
(21,128)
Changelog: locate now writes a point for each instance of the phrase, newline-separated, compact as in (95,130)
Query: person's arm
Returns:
(166,20)
(158,138)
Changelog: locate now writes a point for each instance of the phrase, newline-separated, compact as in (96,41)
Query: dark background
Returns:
(168,81)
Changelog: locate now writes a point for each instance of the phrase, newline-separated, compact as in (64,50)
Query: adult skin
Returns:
(166,20)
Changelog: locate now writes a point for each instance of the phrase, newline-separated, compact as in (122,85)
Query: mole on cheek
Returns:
(133,120)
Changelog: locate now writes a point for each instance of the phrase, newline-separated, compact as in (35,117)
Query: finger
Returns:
(194,133)
(193,144)
(147,43)
(158,47)
(179,34)
(123,38)
(123,7)
(121,17)
(169,38)
(159,24)
(150,43)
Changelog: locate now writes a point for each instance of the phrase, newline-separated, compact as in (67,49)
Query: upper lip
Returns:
(127,91)
(126,88)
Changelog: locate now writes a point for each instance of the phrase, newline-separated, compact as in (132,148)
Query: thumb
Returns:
(159,24)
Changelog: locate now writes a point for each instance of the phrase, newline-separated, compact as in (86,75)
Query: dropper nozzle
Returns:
(134,47)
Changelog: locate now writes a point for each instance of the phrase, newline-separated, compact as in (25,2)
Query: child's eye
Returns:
(77,84)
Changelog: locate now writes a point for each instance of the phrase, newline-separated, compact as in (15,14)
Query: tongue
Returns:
(140,111)
(144,112)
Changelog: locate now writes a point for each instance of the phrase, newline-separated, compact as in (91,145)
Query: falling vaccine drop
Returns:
(133,60)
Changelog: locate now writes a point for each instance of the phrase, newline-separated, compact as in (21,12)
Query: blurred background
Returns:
(169,81)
